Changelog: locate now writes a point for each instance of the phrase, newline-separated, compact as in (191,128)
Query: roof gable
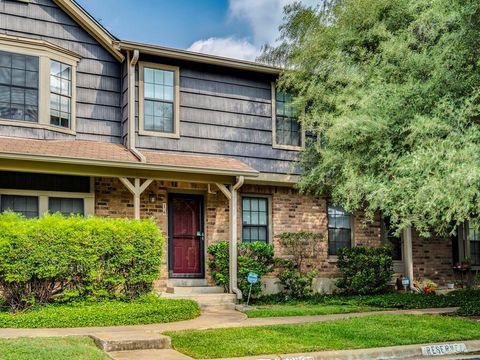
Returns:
(87,22)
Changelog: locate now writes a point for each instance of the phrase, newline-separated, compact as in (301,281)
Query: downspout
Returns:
(131,62)
(233,242)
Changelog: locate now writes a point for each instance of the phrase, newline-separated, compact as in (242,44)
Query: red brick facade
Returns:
(289,212)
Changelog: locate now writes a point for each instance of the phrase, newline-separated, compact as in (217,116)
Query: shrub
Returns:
(252,257)
(387,301)
(147,309)
(55,257)
(365,270)
(297,273)
(471,308)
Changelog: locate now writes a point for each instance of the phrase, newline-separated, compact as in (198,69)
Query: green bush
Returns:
(147,309)
(297,273)
(461,298)
(365,270)
(252,257)
(471,308)
(54,257)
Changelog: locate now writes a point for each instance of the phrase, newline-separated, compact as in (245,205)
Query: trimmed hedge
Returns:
(365,270)
(148,309)
(66,258)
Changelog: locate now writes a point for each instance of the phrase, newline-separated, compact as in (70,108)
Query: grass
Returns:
(353,333)
(146,310)
(306,309)
(54,348)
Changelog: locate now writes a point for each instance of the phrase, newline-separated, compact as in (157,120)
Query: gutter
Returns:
(233,245)
(196,57)
(131,62)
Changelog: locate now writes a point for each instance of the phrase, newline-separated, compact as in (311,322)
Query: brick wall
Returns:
(432,258)
(290,212)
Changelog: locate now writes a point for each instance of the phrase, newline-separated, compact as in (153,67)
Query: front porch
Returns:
(192,198)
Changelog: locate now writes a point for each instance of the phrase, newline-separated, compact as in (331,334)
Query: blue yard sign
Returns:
(252,278)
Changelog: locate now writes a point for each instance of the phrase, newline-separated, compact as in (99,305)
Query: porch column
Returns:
(408,253)
(136,189)
(232,196)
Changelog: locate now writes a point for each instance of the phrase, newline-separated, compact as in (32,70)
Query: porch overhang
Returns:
(78,157)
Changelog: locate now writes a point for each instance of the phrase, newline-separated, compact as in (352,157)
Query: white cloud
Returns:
(228,47)
(262,16)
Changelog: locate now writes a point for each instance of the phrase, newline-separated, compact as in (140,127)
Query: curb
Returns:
(383,353)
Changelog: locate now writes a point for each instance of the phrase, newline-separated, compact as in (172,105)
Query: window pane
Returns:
(66,72)
(18,77)
(25,205)
(148,75)
(168,93)
(148,91)
(168,80)
(55,68)
(5,76)
(66,206)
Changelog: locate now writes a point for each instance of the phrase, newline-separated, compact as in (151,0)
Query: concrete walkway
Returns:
(208,320)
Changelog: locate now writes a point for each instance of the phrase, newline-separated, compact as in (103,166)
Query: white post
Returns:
(408,253)
(232,196)
(136,189)
(233,239)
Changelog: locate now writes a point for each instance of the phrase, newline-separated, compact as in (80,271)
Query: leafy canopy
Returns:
(391,89)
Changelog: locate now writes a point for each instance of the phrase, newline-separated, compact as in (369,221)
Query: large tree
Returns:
(391,89)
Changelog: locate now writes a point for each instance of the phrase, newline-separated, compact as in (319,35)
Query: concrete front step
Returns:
(135,340)
(192,290)
(207,301)
(186,282)
(166,354)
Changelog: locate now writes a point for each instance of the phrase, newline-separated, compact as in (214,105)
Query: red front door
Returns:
(186,236)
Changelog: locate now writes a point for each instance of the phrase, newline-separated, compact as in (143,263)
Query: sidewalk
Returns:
(208,320)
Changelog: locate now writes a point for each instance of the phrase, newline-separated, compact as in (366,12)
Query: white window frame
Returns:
(176,101)
(43,196)
(275,145)
(45,52)
(269,214)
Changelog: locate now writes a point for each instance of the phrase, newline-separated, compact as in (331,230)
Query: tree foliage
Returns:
(391,91)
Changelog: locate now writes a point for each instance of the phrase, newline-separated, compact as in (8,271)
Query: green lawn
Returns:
(147,310)
(353,333)
(306,309)
(54,348)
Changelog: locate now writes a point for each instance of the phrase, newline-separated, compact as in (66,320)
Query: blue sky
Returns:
(232,28)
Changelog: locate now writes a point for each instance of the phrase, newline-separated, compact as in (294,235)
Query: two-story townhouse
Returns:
(205,145)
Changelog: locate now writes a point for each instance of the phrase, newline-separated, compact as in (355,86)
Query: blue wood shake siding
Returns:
(224,112)
(99,112)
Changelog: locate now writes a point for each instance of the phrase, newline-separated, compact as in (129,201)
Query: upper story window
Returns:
(159,100)
(60,94)
(287,132)
(37,84)
(339,229)
(18,86)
